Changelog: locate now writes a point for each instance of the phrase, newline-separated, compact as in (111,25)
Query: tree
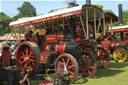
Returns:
(4,23)
(26,10)
(101,6)
(125,19)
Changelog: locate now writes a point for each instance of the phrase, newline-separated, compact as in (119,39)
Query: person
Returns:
(21,78)
(6,74)
(28,36)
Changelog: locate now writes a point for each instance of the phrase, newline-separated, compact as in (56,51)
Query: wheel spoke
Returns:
(98,52)
(67,62)
(89,72)
(26,51)
(20,62)
(32,60)
(30,54)
(71,72)
(63,60)
(23,54)
(25,65)
(32,57)
(92,67)
(30,67)
(69,67)
(33,64)
(22,57)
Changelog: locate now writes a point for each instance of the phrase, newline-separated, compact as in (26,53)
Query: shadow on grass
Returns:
(113,64)
(112,69)
(106,73)
(79,81)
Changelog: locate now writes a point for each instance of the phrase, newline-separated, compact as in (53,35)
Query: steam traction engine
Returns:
(66,35)
(114,39)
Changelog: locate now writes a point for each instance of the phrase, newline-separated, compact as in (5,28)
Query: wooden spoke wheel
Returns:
(27,56)
(102,56)
(87,65)
(120,54)
(72,67)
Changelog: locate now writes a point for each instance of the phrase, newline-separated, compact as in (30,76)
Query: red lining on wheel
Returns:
(67,67)
(82,69)
(99,58)
(24,52)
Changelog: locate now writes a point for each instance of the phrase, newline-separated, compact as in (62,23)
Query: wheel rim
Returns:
(102,58)
(70,67)
(120,54)
(26,58)
(87,65)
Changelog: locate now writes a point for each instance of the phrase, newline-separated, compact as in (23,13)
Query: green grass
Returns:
(113,74)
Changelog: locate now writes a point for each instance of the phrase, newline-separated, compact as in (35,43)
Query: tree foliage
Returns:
(108,11)
(26,10)
(125,18)
(4,23)
(100,6)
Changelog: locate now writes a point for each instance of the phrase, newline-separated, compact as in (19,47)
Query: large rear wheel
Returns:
(71,65)
(102,56)
(27,57)
(87,65)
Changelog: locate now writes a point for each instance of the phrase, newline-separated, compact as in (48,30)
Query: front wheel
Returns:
(71,65)
(120,54)
(27,57)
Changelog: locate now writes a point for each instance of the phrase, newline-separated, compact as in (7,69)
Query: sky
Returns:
(9,7)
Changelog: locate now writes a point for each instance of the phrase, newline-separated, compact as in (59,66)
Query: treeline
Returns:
(28,10)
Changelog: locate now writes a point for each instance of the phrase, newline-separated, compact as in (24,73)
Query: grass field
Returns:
(113,74)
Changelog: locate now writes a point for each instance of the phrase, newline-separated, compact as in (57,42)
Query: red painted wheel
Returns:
(72,67)
(102,57)
(87,65)
(27,56)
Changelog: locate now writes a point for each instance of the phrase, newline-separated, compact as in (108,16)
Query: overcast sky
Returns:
(9,7)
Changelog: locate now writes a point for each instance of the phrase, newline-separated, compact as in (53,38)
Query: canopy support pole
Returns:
(95,22)
(82,25)
(111,27)
(87,22)
(63,23)
(104,25)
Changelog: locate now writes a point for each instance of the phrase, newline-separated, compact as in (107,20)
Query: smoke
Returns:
(70,1)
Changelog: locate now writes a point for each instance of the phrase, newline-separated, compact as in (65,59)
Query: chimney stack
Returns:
(88,2)
(120,14)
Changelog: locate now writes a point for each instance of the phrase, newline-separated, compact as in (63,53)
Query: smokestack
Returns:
(120,14)
(88,2)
